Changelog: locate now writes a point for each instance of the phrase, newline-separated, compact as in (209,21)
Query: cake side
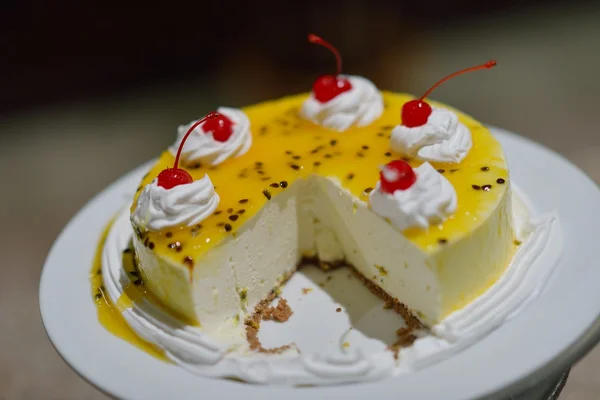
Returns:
(231,279)
(431,285)
(473,264)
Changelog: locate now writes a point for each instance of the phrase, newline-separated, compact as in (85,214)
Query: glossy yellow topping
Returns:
(286,147)
(109,314)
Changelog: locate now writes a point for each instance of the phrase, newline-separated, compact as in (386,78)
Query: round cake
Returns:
(412,195)
(419,205)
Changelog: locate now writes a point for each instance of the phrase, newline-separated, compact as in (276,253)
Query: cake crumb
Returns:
(381,269)
(253,322)
(403,331)
(345,345)
(280,313)
(338,309)
(390,302)
(406,337)
(306,290)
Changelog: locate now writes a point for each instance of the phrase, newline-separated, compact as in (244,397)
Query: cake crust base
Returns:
(406,335)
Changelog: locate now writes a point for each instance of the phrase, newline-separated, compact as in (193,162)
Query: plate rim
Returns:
(586,341)
(561,361)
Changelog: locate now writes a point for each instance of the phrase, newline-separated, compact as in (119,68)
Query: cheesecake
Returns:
(422,212)
(414,195)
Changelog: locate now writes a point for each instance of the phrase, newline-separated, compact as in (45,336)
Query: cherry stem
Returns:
(312,38)
(207,117)
(489,64)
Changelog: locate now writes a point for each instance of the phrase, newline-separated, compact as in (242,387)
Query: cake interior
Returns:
(315,218)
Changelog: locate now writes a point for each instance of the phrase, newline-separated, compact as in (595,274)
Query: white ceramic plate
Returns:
(549,335)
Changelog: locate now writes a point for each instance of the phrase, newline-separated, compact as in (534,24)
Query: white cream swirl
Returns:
(158,208)
(431,199)
(519,286)
(203,354)
(359,106)
(347,364)
(442,139)
(201,147)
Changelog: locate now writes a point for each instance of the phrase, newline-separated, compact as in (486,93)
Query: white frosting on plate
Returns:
(196,351)
(430,200)
(520,285)
(442,139)
(358,106)
(189,204)
(201,147)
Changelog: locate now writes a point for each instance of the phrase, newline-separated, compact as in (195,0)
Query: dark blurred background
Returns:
(57,52)
(89,90)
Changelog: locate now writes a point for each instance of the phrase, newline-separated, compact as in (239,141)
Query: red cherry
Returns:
(171,177)
(404,176)
(327,87)
(221,128)
(416,112)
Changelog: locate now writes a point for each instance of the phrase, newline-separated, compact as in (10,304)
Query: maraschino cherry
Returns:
(221,128)
(416,112)
(171,177)
(396,175)
(326,87)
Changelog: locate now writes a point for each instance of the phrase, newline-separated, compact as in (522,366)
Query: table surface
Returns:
(55,159)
